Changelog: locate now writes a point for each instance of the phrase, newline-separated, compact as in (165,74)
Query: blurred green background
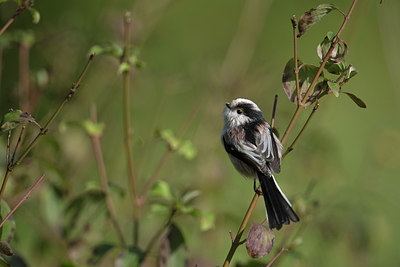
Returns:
(202,54)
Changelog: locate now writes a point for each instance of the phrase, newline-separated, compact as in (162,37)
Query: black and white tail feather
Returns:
(256,152)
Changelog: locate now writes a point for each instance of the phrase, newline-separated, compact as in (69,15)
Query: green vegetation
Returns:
(130,144)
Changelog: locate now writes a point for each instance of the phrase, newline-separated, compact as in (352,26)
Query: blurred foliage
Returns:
(342,174)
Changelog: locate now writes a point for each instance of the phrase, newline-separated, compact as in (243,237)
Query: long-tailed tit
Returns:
(256,152)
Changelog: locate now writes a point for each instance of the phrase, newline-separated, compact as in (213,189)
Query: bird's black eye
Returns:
(239,111)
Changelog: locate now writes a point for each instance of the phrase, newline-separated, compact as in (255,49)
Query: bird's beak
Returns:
(228,105)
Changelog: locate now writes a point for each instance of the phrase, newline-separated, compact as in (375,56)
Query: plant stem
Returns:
(273,111)
(159,233)
(8,148)
(295,116)
(276,256)
(104,180)
(290,148)
(301,108)
(21,8)
(296,64)
(18,142)
(22,200)
(45,128)
(127,128)
(236,242)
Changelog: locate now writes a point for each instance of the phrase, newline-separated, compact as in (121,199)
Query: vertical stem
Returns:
(236,243)
(290,148)
(296,64)
(16,146)
(273,111)
(127,128)
(104,181)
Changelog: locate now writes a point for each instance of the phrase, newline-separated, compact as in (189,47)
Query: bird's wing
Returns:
(264,154)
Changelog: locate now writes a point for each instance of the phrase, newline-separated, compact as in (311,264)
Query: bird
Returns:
(256,152)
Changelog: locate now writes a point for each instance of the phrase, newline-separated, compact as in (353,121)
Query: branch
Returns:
(126,75)
(290,148)
(296,64)
(104,180)
(19,10)
(22,200)
(313,83)
(45,128)
(295,116)
(276,256)
(159,233)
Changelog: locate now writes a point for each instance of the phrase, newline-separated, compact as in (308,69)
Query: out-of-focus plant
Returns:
(154,193)
(304,84)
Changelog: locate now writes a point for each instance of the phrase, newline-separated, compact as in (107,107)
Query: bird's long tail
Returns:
(279,209)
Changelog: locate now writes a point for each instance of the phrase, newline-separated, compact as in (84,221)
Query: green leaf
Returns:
(15,118)
(338,53)
(35,15)
(175,238)
(187,150)
(2,1)
(314,15)
(334,87)
(117,189)
(207,221)
(123,67)
(356,99)
(93,129)
(5,248)
(187,197)
(168,136)
(107,49)
(8,229)
(189,210)
(306,75)
(130,258)
(336,68)
(99,252)
(160,208)
(96,49)
(351,72)
(161,189)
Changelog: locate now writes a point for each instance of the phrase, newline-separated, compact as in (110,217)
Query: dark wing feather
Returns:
(265,154)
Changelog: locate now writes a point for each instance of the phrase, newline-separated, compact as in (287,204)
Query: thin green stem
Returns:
(104,180)
(127,128)
(290,148)
(159,233)
(18,142)
(236,242)
(45,128)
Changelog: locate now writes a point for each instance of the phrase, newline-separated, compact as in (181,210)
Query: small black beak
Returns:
(228,105)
